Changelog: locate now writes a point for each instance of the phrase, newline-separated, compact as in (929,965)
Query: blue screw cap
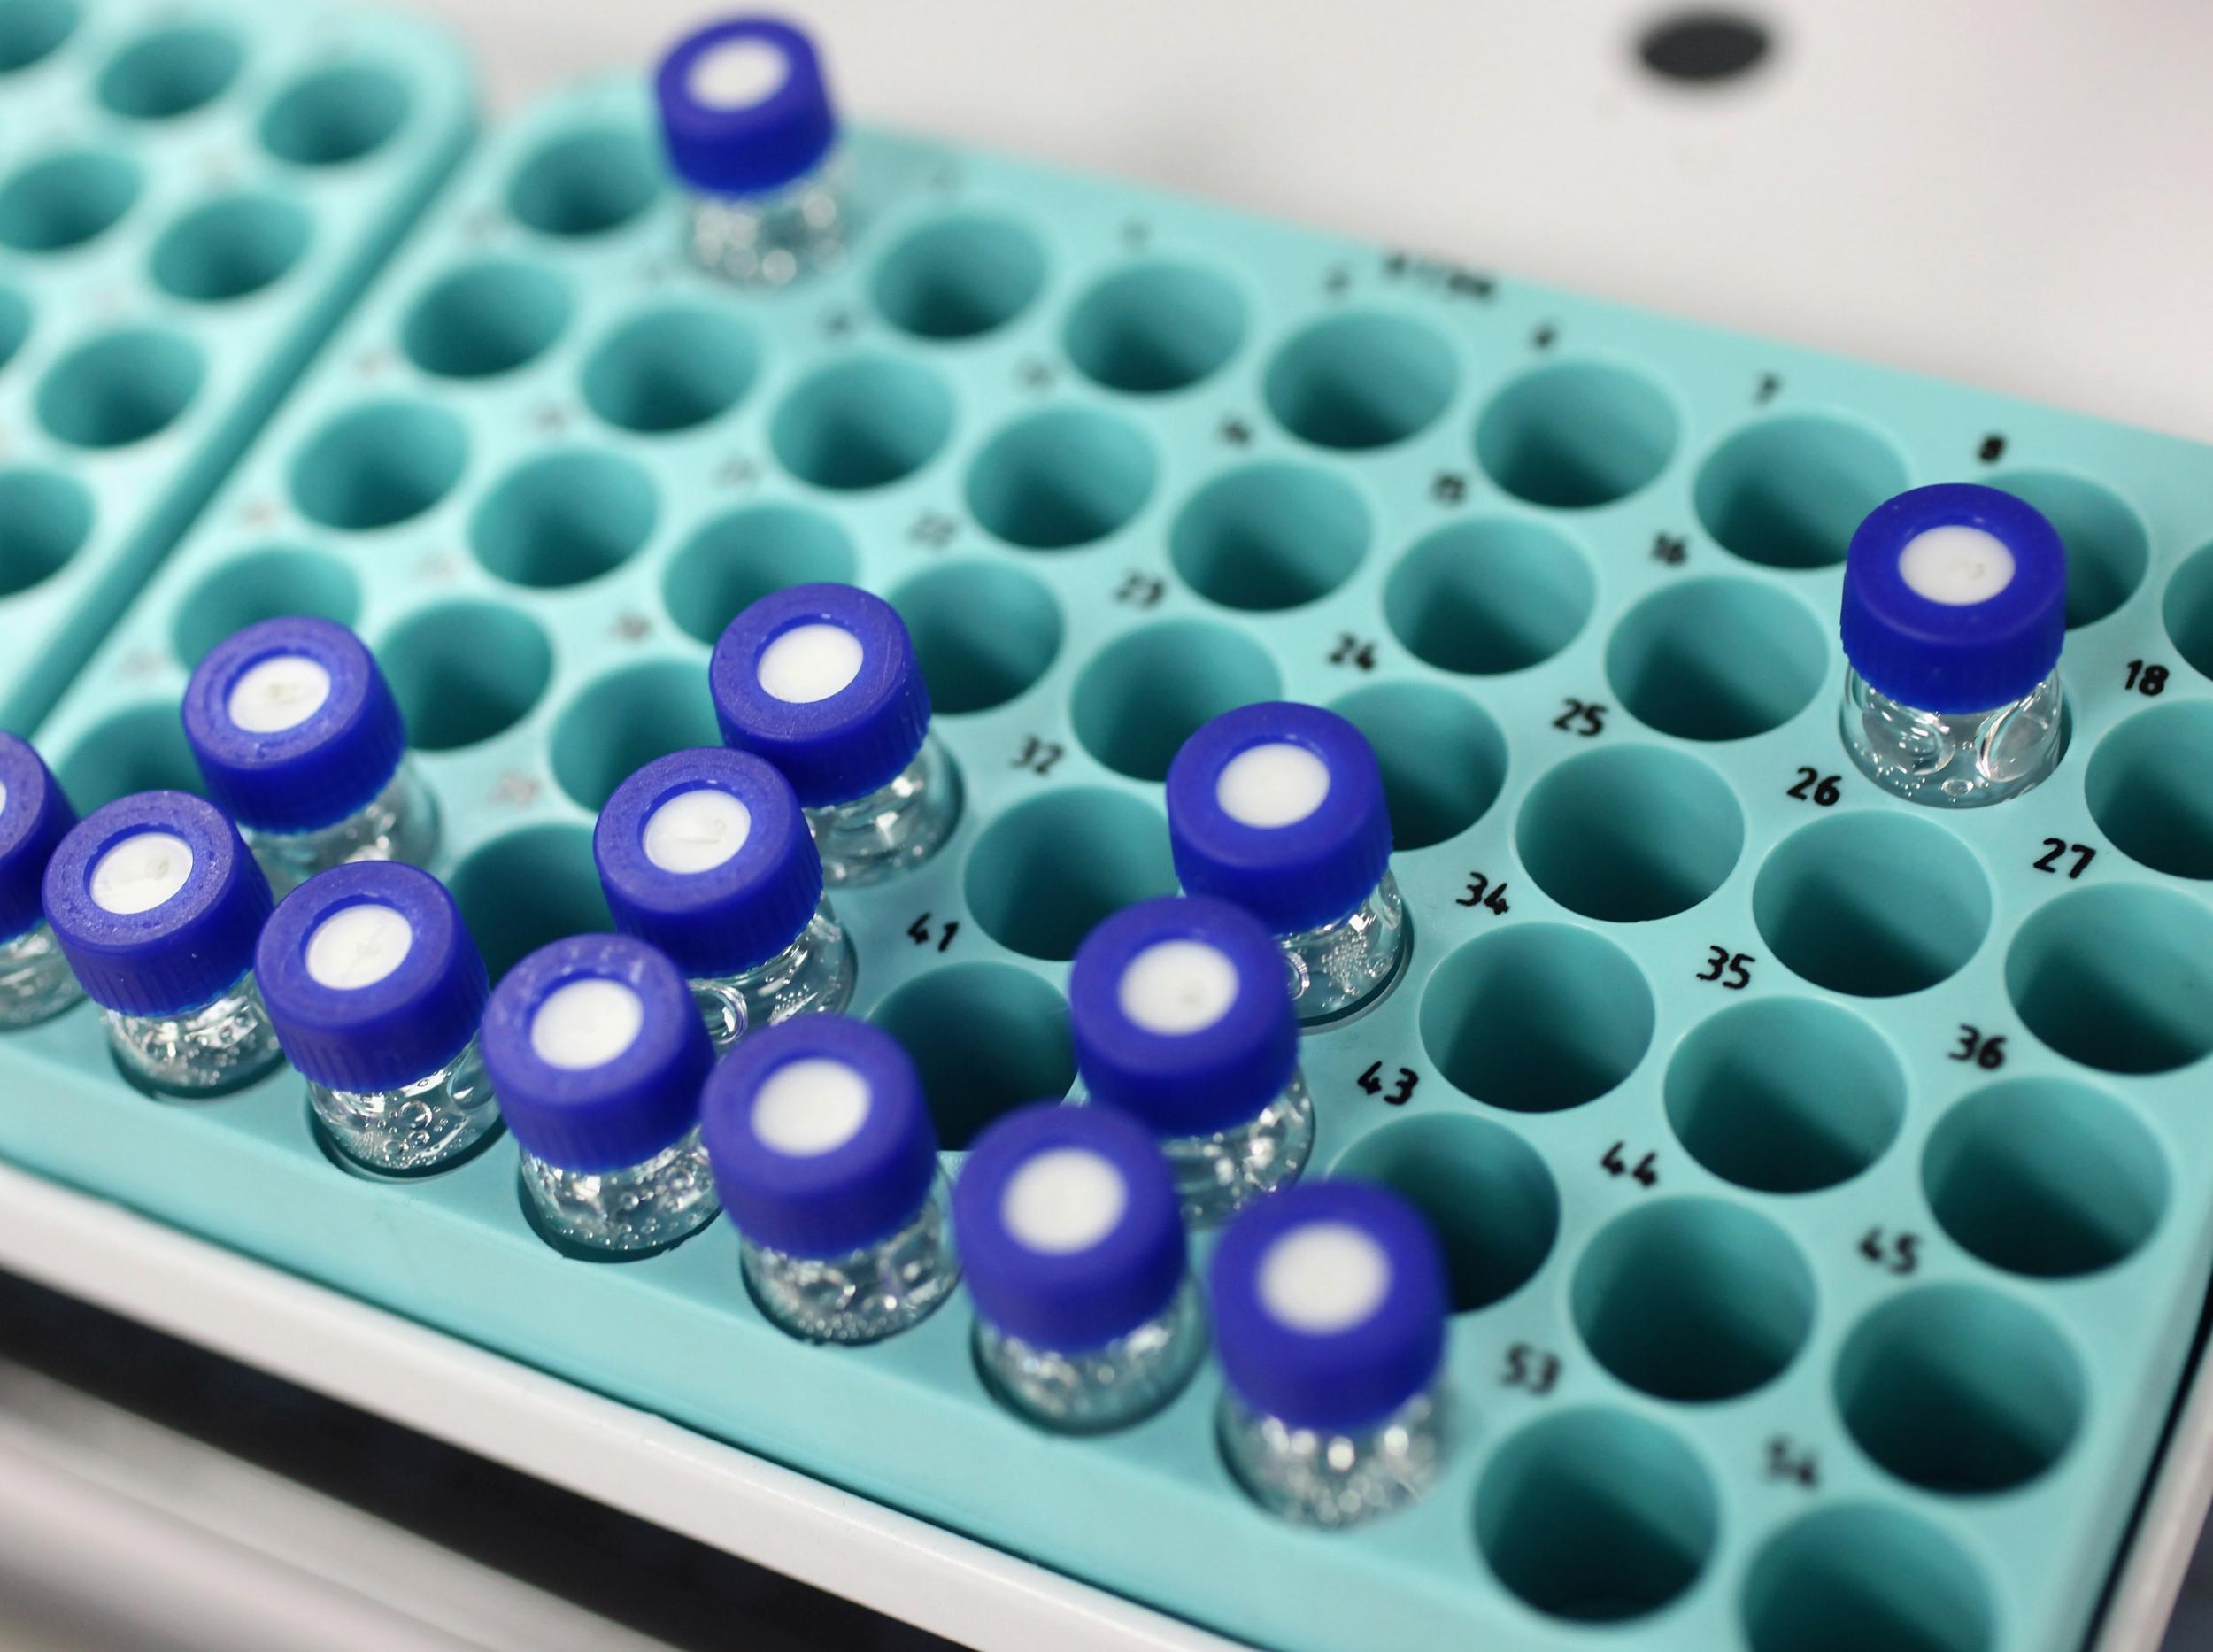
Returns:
(156,903)
(1330,1305)
(821,681)
(292,724)
(719,882)
(1954,598)
(1182,1014)
(1279,808)
(744,107)
(35,817)
(573,1088)
(1067,1225)
(371,977)
(819,1136)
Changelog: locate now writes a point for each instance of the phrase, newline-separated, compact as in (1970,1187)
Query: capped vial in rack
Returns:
(596,1054)
(300,741)
(828,1162)
(822,681)
(1181,1017)
(376,989)
(705,854)
(1087,1315)
(1330,1315)
(35,982)
(157,905)
(1954,613)
(1279,808)
(752,137)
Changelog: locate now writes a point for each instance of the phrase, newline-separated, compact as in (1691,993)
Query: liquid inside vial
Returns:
(1220,1173)
(640,1207)
(222,1045)
(1343,965)
(416,1127)
(401,823)
(1093,1389)
(893,829)
(813,976)
(1336,1480)
(866,1295)
(1954,759)
(37,982)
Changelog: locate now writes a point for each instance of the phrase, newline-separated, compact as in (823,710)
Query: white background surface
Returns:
(2012,192)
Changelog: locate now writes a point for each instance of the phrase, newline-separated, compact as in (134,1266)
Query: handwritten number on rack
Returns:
(1372,1081)
(1989,1053)
(1898,1253)
(1814,787)
(1039,756)
(2056,847)
(1482,893)
(1582,717)
(1530,1368)
(1732,970)
(920,932)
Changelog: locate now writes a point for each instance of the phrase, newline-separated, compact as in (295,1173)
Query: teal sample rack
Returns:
(191,196)
(1821,1177)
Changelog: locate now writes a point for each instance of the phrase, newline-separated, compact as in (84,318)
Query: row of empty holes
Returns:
(1870,904)
(1787,493)
(326,116)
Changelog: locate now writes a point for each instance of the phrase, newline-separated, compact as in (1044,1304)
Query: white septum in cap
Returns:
(586,1024)
(141,872)
(809,662)
(278,693)
(1324,1276)
(738,74)
(1276,785)
(1064,1200)
(358,945)
(1957,566)
(810,1107)
(1179,986)
(697,830)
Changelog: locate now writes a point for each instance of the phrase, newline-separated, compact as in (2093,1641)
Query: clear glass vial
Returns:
(827,1159)
(751,136)
(1180,1017)
(376,989)
(596,1052)
(157,904)
(300,741)
(1329,1310)
(1087,1317)
(1279,808)
(822,681)
(1954,613)
(36,981)
(705,854)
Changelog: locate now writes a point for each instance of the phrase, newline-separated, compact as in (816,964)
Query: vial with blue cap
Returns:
(36,981)
(376,989)
(750,135)
(299,739)
(1279,808)
(1954,613)
(1087,1315)
(828,1163)
(1330,1312)
(705,854)
(1181,1017)
(596,1054)
(822,681)
(157,905)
